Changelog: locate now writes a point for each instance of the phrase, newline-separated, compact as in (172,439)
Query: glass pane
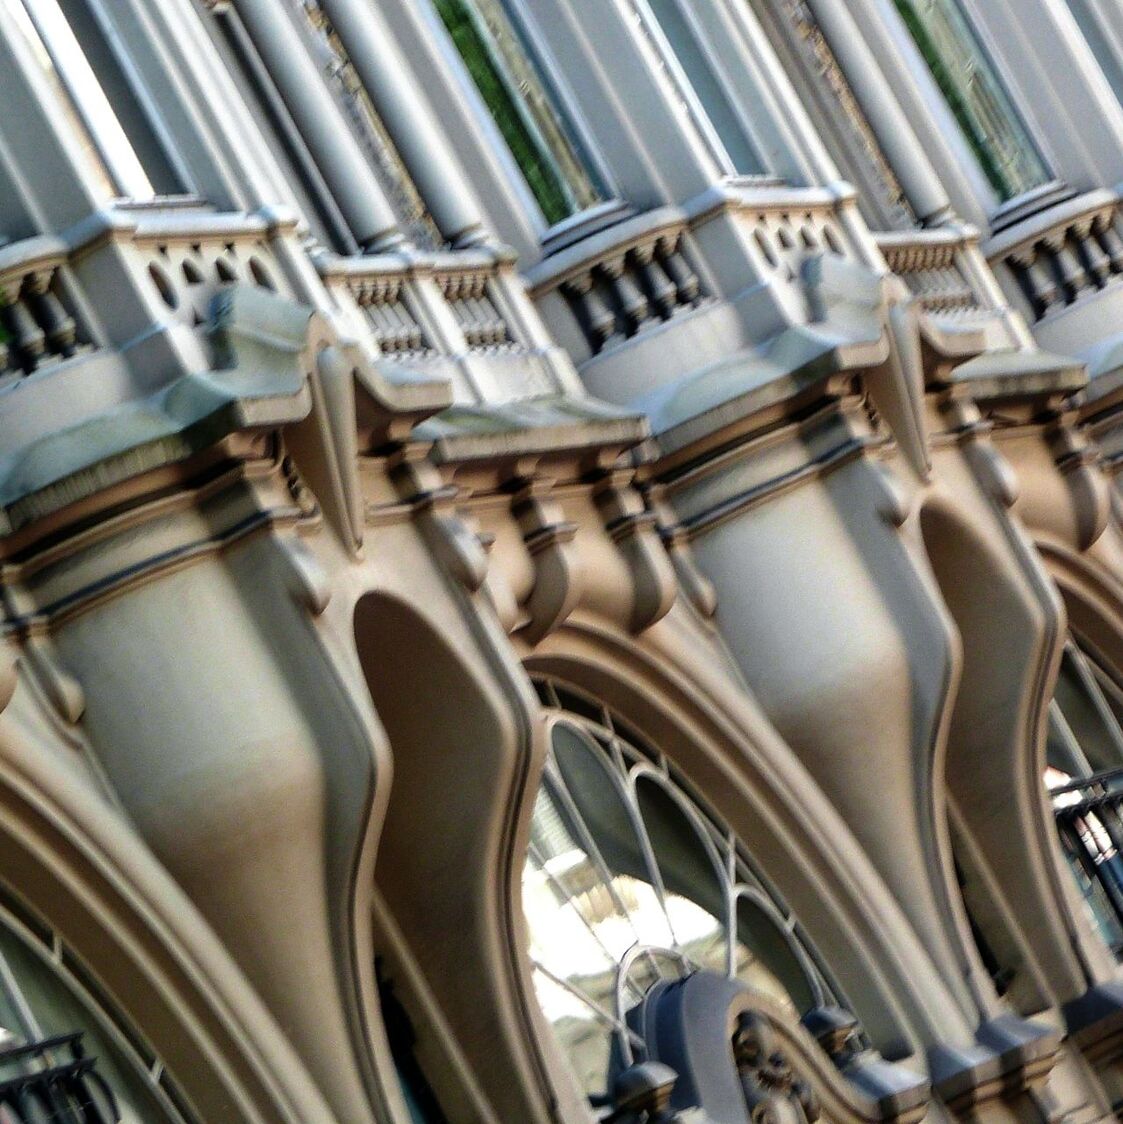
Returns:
(578,935)
(597,799)
(694,890)
(579,929)
(531,121)
(586,1039)
(975,95)
(106,148)
(54,1009)
(697,65)
(1088,716)
(765,960)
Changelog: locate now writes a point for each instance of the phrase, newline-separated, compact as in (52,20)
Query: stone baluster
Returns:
(1095,260)
(57,324)
(660,288)
(1067,264)
(1112,244)
(597,319)
(686,282)
(28,342)
(1035,278)
(628,294)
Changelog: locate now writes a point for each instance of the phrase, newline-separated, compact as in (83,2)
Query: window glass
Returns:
(629,880)
(517,94)
(976,96)
(107,149)
(696,60)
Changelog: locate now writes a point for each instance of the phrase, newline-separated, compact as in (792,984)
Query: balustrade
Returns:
(931,263)
(621,281)
(36,325)
(187,262)
(1067,251)
(468,294)
(415,308)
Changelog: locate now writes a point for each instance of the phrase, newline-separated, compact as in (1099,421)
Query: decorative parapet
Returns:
(623,279)
(467,291)
(187,256)
(374,299)
(190,258)
(417,306)
(37,325)
(665,264)
(1063,253)
(933,264)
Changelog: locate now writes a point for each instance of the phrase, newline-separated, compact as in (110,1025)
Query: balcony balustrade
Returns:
(37,326)
(1063,254)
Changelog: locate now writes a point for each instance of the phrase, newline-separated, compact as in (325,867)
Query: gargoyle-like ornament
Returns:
(773,1093)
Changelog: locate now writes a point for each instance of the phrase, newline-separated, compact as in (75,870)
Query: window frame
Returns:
(627,758)
(99,129)
(581,222)
(693,102)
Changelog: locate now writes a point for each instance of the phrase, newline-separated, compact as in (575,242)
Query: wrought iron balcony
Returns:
(1089,816)
(54,1079)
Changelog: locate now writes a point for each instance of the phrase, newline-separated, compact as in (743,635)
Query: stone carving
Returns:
(773,1092)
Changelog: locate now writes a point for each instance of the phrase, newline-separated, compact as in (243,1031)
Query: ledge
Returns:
(530,426)
(1024,374)
(1039,224)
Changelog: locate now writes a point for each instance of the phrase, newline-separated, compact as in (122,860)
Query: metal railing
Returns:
(1089,817)
(54,1079)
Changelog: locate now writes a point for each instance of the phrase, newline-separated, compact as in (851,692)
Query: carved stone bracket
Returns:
(633,530)
(549,537)
(740,1057)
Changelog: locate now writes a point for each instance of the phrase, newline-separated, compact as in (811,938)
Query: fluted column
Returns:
(398,101)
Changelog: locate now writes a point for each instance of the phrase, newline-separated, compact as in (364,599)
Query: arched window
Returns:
(630,880)
(64,1057)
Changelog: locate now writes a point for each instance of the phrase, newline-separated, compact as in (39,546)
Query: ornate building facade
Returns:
(561,561)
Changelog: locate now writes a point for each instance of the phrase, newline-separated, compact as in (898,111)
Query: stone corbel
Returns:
(550,539)
(633,530)
(1079,463)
